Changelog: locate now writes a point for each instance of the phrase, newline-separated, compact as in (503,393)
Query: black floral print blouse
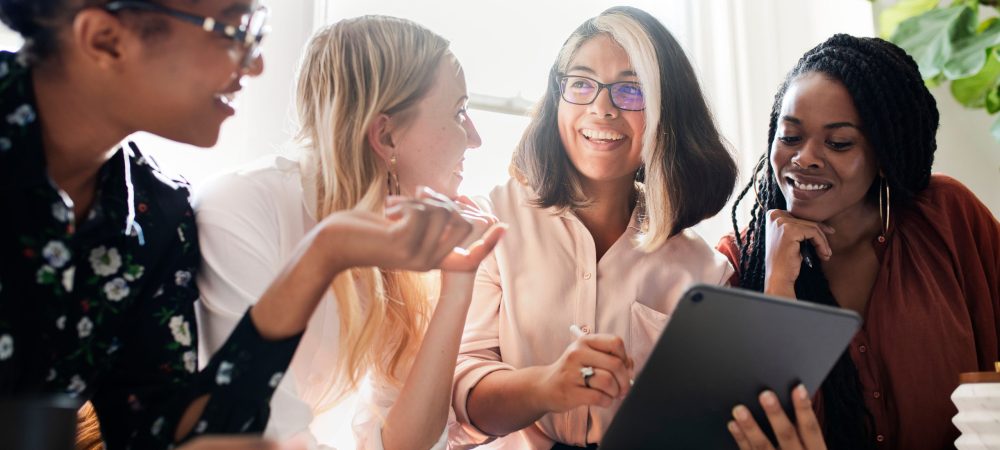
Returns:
(101,308)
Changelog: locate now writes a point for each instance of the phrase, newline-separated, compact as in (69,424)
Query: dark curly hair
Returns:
(39,22)
(899,117)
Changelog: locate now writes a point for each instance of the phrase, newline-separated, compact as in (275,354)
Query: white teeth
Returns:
(810,187)
(602,135)
(227,99)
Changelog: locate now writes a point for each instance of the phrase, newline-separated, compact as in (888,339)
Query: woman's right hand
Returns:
(414,234)
(783,257)
(563,387)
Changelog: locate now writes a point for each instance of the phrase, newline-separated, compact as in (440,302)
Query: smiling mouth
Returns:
(228,99)
(601,136)
(808,186)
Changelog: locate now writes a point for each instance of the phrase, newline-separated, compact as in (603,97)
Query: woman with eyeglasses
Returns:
(620,160)
(99,248)
(382,109)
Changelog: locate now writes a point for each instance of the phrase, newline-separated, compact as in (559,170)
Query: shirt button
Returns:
(585,329)
(862,349)
(877,394)
(586,276)
(880,438)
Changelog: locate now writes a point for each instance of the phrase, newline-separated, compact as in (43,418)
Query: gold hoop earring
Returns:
(393,179)
(884,206)
(753,181)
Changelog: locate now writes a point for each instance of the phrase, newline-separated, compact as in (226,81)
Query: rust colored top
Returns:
(934,313)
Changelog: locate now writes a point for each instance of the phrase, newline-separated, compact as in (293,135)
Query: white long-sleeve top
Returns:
(249,224)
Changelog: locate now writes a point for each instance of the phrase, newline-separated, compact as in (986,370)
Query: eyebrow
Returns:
(236,10)
(828,126)
(624,73)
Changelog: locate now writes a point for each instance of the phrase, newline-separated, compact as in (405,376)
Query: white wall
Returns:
(966,149)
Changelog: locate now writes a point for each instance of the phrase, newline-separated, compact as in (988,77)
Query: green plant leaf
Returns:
(986,24)
(929,38)
(972,91)
(993,100)
(971,53)
(996,129)
(890,19)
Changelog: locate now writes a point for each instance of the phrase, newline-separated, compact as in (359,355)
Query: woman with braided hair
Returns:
(848,174)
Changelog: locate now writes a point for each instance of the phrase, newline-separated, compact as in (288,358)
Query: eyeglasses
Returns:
(625,95)
(252,28)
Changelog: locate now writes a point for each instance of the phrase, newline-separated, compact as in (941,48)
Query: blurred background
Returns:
(741,50)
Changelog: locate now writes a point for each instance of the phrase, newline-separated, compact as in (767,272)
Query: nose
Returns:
(602,106)
(810,155)
(255,67)
(472,134)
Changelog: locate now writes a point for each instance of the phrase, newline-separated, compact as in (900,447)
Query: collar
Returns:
(22,158)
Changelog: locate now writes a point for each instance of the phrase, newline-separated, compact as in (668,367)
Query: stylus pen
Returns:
(808,253)
(578,333)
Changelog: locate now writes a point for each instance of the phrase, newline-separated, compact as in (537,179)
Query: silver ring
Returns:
(586,372)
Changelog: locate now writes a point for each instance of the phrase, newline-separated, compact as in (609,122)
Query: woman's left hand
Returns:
(804,434)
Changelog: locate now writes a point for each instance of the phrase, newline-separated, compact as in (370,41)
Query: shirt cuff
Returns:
(468,373)
(241,378)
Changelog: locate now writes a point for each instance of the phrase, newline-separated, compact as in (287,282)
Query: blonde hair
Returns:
(687,173)
(354,71)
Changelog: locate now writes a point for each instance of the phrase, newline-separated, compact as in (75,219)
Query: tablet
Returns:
(722,347)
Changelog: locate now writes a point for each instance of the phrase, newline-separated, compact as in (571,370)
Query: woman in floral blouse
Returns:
(98,247)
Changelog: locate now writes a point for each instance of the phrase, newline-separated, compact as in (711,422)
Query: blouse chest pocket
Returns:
(645,326)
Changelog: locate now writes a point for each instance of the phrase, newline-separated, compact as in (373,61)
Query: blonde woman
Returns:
(621,158)
(382,107)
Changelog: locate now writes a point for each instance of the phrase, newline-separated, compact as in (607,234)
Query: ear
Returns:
(100,37)
(380,137)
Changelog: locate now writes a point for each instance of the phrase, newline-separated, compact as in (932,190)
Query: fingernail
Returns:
(801,393)
(732,426)
(767,398)
(741,413)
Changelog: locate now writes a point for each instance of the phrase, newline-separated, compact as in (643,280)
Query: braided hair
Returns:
(899,117)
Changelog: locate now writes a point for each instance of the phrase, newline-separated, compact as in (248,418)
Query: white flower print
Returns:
(52,375)
(61,323)
(134,272)
(5,144)
(4,69)
(182,278)
(181,330)
(45,275)
(56,254)
(84,327)
(225,373)
(115,345)
(275,379)
(76,386)
(60,212)
(190,361)
(105,262)
(201,427)
(68,277)
(157,426)
(116,289)
(6,347)
(21,116)
(158,292)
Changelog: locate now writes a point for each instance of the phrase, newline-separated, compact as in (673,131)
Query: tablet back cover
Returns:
(723,347)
